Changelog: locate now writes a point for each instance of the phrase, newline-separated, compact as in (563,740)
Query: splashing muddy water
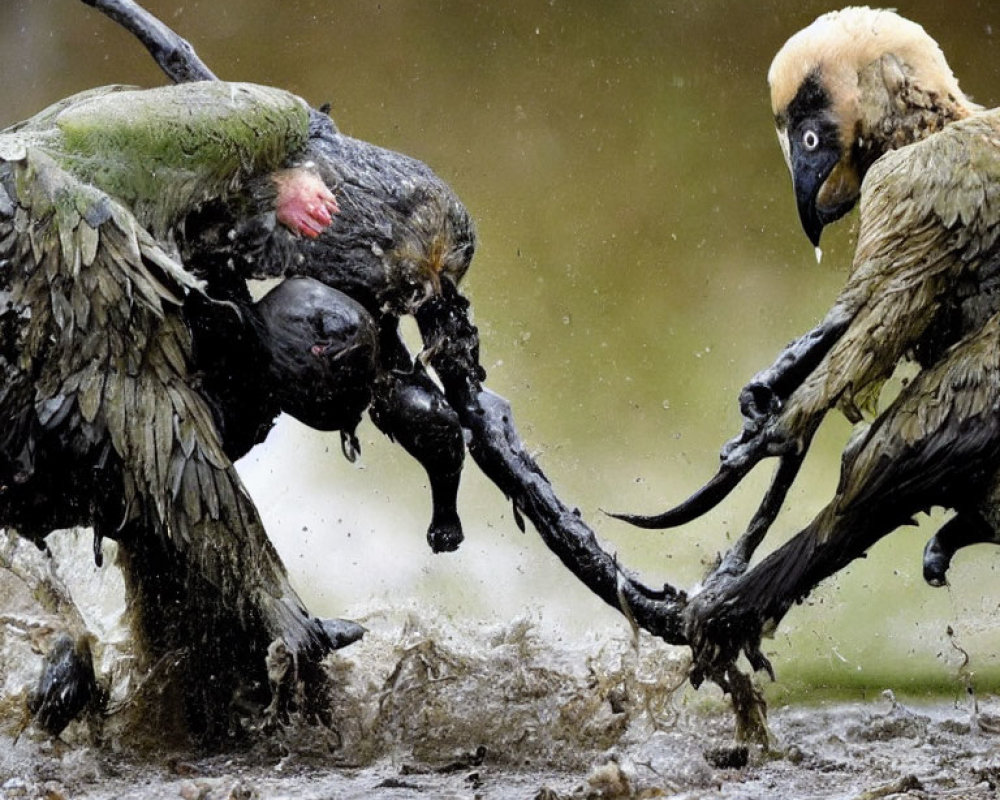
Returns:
(430,707)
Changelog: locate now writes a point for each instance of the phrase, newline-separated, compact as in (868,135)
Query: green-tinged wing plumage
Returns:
(161,152)
(102,359)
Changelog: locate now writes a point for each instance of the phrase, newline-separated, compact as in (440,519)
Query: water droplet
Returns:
(819,254)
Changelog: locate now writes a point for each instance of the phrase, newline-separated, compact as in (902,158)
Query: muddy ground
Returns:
(438,708)
(879,750)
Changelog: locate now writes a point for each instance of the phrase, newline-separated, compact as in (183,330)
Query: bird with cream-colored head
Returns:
(841,44)
(847,89)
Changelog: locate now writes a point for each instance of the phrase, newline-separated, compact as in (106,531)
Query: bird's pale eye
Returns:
(810,139)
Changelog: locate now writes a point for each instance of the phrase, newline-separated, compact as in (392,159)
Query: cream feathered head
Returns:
(852,85)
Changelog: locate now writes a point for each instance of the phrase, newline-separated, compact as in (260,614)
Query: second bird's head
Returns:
(851,86)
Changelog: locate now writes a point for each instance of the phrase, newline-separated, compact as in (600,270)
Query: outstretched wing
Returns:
(102,367)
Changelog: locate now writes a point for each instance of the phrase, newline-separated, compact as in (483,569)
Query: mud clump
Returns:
(734,757)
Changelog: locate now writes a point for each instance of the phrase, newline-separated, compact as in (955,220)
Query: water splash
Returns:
(425,688)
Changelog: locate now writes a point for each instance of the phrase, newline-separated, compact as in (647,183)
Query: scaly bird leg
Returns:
(497,448)
(738,558)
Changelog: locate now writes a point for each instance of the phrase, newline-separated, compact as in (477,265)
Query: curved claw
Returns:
(701,502)
(759,439)
(961,531)
(343,632)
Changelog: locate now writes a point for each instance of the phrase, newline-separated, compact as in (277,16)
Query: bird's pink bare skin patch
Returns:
(305,204)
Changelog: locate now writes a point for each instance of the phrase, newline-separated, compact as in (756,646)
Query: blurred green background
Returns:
(640,258)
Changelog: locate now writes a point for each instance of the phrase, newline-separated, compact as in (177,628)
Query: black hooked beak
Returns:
(810,171)
(826,179)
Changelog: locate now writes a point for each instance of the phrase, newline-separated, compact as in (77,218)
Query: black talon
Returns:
(739,456)
(701,502)
(410,408)
(961,531)
(67,685)
(758,660)
(937,559)
(343,632)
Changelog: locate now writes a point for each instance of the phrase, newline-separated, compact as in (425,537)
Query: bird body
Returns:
(867,109)
(102,352)
(865,104)
(925,268)
(131,352)
(106,422)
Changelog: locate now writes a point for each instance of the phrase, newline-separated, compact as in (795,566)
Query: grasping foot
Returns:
(305,204)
